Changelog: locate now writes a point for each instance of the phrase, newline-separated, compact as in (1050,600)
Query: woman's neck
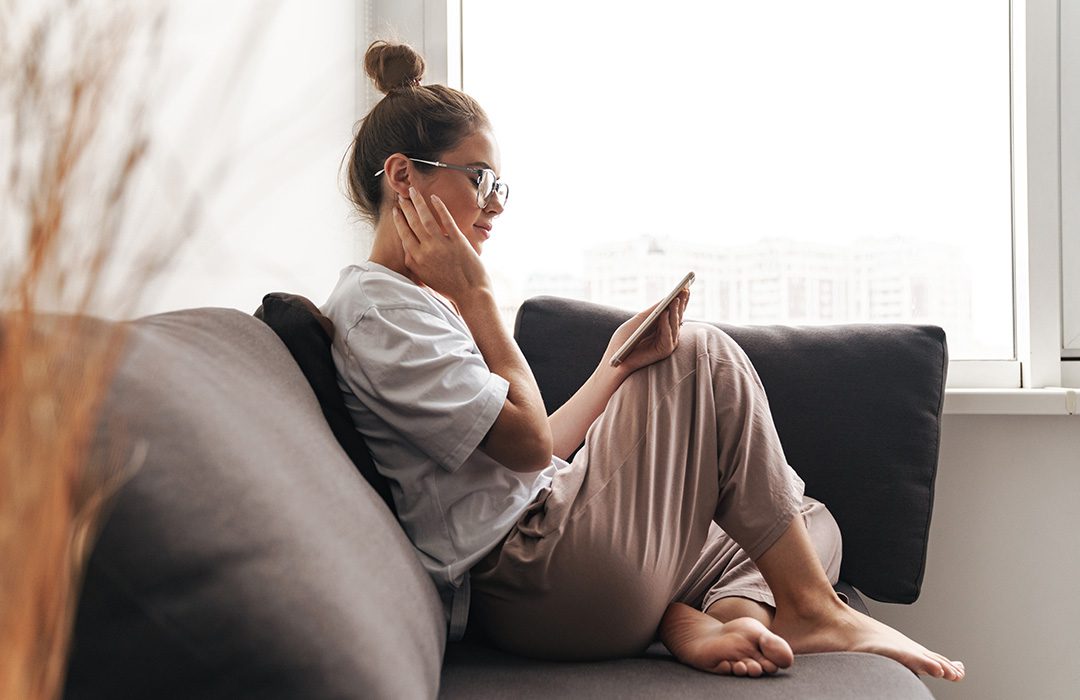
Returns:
(387,250)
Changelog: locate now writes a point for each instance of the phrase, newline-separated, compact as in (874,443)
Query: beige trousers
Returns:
(680,486)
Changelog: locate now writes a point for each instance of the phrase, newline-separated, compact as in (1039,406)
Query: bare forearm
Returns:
(500,352)
(523,425)
(570,423)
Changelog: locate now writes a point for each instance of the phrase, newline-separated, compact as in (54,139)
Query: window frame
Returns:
(1069,87)
(1043,245)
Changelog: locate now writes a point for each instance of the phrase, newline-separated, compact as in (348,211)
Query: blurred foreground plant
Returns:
(74,81)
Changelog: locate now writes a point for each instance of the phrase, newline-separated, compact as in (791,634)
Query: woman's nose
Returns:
(494,207)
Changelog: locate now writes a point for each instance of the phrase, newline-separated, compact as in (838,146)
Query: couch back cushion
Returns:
(247,557)
(857,408)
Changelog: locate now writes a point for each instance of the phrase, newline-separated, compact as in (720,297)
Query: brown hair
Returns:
(421,121)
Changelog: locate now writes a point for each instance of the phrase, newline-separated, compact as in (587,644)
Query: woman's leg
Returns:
(728,584)
(812,617)
(809,615)
(591,567)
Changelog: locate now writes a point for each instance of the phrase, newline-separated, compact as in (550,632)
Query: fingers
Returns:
(674,315)
(423,210)
(442,214)
(410,208)
(429,220)
(404,231)
(408,212)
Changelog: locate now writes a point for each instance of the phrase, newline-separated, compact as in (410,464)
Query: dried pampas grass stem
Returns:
(72,145)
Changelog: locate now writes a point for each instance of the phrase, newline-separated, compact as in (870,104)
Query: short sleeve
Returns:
(425,379)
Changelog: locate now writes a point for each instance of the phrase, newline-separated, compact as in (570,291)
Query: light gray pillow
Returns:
(247,557)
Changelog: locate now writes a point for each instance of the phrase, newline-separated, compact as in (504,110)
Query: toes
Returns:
(768,666)
(776,650)
(919,663)
(957,667)
(949,671)
(933,668)
(739,668)
(753,668)
(724,668)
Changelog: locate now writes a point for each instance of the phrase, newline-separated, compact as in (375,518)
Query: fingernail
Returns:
(412,190)
(435,198)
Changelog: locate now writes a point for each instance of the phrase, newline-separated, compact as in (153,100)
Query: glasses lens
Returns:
(484,187)
(502,193)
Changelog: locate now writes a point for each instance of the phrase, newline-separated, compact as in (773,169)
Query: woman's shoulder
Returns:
(368,289)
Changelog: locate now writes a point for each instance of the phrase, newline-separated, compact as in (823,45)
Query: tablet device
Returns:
(649,321)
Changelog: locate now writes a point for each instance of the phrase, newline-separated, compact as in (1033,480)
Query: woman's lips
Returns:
(485,232)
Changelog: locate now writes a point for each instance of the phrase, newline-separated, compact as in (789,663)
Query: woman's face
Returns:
(457,189)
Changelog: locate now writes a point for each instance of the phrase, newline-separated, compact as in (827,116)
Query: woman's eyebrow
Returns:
(481,164)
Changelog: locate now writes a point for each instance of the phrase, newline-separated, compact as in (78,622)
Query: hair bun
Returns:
(393,66)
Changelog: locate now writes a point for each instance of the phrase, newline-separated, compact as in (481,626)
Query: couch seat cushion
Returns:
(475,671)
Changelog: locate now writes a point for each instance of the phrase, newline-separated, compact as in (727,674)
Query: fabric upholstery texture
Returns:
(857,408)
(247,557)
(479,672)
(307,333)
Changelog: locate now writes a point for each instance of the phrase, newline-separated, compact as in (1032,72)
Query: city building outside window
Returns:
(814,163)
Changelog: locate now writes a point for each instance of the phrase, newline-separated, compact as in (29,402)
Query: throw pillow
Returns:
(307,333)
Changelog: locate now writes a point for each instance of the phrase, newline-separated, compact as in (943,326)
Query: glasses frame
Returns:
(481,200)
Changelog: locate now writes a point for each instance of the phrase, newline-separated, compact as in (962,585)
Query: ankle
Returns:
(812,607)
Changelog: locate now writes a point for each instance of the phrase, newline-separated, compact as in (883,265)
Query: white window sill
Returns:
(1016,402)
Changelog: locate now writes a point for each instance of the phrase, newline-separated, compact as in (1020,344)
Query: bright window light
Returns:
(829,162)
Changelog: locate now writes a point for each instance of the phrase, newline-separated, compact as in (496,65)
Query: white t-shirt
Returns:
(422,396)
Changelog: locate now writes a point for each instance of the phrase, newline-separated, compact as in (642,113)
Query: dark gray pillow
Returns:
(247,558)
(308,335)
(857,408)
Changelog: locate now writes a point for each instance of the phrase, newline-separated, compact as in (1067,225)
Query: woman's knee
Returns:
(697,339)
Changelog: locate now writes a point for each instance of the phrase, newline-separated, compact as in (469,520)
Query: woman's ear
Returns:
(397,168)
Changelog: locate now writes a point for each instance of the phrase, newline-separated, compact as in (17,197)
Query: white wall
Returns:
(1000,591)
(267,90)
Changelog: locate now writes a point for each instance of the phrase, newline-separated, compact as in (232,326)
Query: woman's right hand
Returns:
(436,250)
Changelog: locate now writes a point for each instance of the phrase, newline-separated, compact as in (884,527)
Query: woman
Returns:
(679,517)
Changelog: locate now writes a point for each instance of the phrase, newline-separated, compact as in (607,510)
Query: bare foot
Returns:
(840,628)
(740,647)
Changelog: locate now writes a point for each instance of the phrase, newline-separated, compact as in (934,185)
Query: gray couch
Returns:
(250,557)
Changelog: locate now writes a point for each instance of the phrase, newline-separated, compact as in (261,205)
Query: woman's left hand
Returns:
(656,344)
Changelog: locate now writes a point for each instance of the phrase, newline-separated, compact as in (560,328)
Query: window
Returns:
(894,169)
(775,149)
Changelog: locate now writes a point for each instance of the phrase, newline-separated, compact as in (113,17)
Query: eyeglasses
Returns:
(486,182)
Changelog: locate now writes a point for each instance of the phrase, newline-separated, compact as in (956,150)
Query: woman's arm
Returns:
(572,420)
(520,438)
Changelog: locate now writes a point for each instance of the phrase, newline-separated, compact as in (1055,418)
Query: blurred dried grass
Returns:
(74,76)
